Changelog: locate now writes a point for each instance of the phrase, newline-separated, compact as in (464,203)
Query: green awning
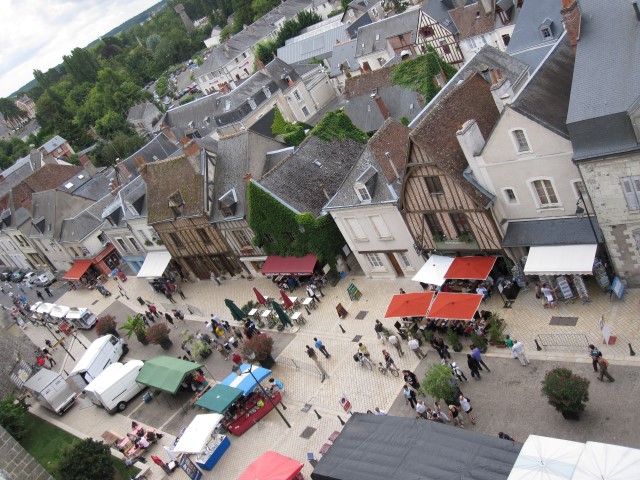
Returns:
(165,373)
(219,398)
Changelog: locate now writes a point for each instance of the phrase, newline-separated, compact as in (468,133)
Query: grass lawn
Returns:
(45,442)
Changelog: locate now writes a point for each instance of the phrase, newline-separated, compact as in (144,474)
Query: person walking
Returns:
(390,364)
(518,350)
(149,317)
(604,369)
(179,315)
(414,345)
(169,296)
(154,310)
(48,291)
(594,353)
(456,416)
(214,278)
(180,292)
(312,355)
(395,341)
(411,379)
(52,362)
(311,292)
(185,347)
(465,404)
(169,319)
(320,346)
(474,366)
(409,395)
(457,371)
(39,295)
(475,353)
(443,348)
(379,328)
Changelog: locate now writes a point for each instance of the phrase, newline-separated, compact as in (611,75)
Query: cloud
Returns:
(36,34)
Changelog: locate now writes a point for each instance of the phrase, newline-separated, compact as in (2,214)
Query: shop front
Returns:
(87,272)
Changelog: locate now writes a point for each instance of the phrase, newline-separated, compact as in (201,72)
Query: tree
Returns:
(566,391)
(82,65)
(85,460)
(12,416)
(262,7)
(10,150)
(437,383)
(419,73)
(9,110)
(152,41)
(121,146)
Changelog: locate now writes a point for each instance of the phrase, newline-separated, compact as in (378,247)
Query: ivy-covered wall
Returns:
(268,216)
(418,74)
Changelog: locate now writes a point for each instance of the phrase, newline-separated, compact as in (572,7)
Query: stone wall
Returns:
(17,462)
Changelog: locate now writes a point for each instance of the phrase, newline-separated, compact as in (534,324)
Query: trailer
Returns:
(51,390)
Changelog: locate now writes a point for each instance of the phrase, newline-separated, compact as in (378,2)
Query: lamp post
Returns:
(250,354)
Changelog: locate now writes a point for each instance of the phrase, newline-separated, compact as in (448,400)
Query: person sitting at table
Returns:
(142,443)
(445,288)
(293,284)
(482,291)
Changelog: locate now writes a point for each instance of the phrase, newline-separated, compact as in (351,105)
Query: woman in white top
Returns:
(466,406)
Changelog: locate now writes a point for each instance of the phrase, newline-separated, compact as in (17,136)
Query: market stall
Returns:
(200,439)
(245,381)
(219,398)
(273,466)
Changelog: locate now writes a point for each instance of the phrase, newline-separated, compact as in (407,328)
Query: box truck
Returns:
(51,390)
(101,353)
(116,385)
(58,312)
(81,318)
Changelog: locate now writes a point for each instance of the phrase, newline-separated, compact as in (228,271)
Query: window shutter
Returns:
(380,227)
(629,193)
(356,229)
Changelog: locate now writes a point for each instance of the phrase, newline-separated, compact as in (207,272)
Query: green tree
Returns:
(9,110)
(12,416)
(86,460)
(82,65)
(10,150)
(262,7)
(437,383)
(242,14)
(337,125)
(121,146)
(152,41)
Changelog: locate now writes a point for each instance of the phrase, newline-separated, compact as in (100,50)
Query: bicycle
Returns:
(384,370)
(363,360)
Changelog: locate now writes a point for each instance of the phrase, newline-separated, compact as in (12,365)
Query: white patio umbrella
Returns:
(602,461)
(433,271)
(544,458)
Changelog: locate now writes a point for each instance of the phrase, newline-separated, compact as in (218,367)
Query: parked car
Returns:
(44,279)
(6,275)
(17,276)
(29,277)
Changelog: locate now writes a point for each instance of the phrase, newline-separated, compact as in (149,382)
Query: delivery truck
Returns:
(81,318)
(101,353)
(116,385)
(51,390)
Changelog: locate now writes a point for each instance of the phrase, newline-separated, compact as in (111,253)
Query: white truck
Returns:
(51,390)
(58,313)
(101,353)
(81,318)
(116,385)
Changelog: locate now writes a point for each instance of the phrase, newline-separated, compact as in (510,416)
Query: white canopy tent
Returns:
(561,260)
(197,434)
(155,263)
(434,270)
(601,461)
(544,458)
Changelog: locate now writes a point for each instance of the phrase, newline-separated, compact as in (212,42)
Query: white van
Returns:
(101,353)
(58,312)
(44,309)
(81,318)
(116,385)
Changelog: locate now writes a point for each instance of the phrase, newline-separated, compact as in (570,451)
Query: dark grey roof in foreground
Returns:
(554,231)
(400,102)
(376,447)
(158,148)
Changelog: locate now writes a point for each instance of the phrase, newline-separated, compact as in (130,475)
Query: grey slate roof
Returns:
(545,98)
(344,52)
(352,28)
(388,27)
(89,187)
(54,143)
(526,42)
(87,221)
(248,37)
(18,164)
(13,176)
(609,43)
(401,102)
(318,46)
(439,11)
(159,147)
(43,213)
(554,231)
(198,114)
(306,186)
(134,195)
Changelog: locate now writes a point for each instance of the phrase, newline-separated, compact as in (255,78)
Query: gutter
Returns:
(468,176)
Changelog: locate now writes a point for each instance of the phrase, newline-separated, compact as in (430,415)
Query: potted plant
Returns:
(496,331)
(158,334)
(454,340)
(437,383)
(135,326)
(201,349)
(566,391)
(428,335)
(106,325)
(479,341)
(261,345)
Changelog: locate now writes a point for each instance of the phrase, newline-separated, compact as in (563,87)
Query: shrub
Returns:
(566,391)
(261,345)
(105,325)
(157,333)
(12,416)
(86,459)
(134,326)
(454,339)
(437,383)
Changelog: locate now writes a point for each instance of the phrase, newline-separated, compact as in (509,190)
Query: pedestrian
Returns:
(414,345)
(475,353)
(504,436)
(604,369)
(402,292)
(458,372)
(180,292)
(393,340)
(594,353)
(48,344)
(311,292)
(379,328)
(410,395)
(214,278)
(154,311)
(320,346)
(312,355)
(421,409)
(380,412)
(474,366)
(444,348)
(233,342)
(465,404)
(185,347)
(167,293)
(455,416)
(509,344)
(518,350)
(276,384)
(169,318)
(411,379)
(220,331)
(46,289)
(49,357)
(438,410)
(226,326)
(222,351)
(179,315)
(238,333)
(362,348)
(150,317)
(548,296)
(21,288)
(39,295)
(391,365)
(227,346)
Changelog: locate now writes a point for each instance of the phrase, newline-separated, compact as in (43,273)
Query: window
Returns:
(374,260)
(351,13)
(636,237)
(268,238)
(506,39)
(177,241)
(377,37)
(375,14)
(244,54)
(579,188)
(290,236)
(204,236)
(237,61)
(252,103)
(433,224)
(363,193)
(546,33)
(460,223)
(297,96)
(545,193)
(133,242)
(631,189)
(440,79)
(356,230)
(123,245)
(426,31)
(404,260)
(521,142)
(241,238)
(434,186)
(445,47)
(382,61)
(103,238)
(509,195)
(380,227)
(305,111)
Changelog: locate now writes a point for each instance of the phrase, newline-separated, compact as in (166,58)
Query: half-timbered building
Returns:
(437,30)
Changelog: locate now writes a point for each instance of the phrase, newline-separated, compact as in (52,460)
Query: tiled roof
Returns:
(373,37)
(363,84)
(47,177)
(391,139)
(472,20)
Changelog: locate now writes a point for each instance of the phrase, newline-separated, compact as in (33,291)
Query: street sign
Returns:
(346,404)
(193,472)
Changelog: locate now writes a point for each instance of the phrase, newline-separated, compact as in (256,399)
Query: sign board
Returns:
(618,287)
(193,472)
(346,404)
(354,293)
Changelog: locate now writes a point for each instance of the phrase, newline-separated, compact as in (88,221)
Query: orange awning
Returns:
(78,269)
(409,305)
(455,306)
(470,268)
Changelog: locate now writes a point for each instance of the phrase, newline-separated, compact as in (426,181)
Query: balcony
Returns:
(463,242)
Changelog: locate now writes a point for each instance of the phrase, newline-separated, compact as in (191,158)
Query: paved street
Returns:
(507,399)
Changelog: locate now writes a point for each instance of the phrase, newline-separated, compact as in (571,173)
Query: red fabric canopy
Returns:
(409,305)
(470,268)
(275,265)
(78,269)
(285,299)
(455,306)
(259,296)
(272,466)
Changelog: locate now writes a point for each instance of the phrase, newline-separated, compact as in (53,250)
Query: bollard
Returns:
(631,352)
(538,347)
(317,414)
(343,330)
(342,422)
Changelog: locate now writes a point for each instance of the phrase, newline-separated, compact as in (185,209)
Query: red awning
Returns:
(455,306)
(275,265)
(78,269)
(470,268)
(272,466)
(409,305)
(108,249)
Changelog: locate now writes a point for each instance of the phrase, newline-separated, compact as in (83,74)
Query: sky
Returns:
(35,34)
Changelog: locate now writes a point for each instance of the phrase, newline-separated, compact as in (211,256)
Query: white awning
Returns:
(546,458)
(197,434)
(154,264)
(601,460)
(433,271)
(561,260)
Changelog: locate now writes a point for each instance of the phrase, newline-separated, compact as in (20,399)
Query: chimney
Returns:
(87,164)
(470,139)
(383,108)
(247,177)
(487,5)
(637,10)
(123,171)
(502,93)
(571,17)
(142,167)
(36,158)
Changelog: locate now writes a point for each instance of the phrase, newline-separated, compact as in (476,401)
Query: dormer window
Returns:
(545,29)
(228,203)
(266,91)
(227,105)
(176,203)
(365,184)
(252,103)
(362,192)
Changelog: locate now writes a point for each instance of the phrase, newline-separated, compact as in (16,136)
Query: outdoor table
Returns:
(309,302)
(253,313)
(267,314)
(298,318)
